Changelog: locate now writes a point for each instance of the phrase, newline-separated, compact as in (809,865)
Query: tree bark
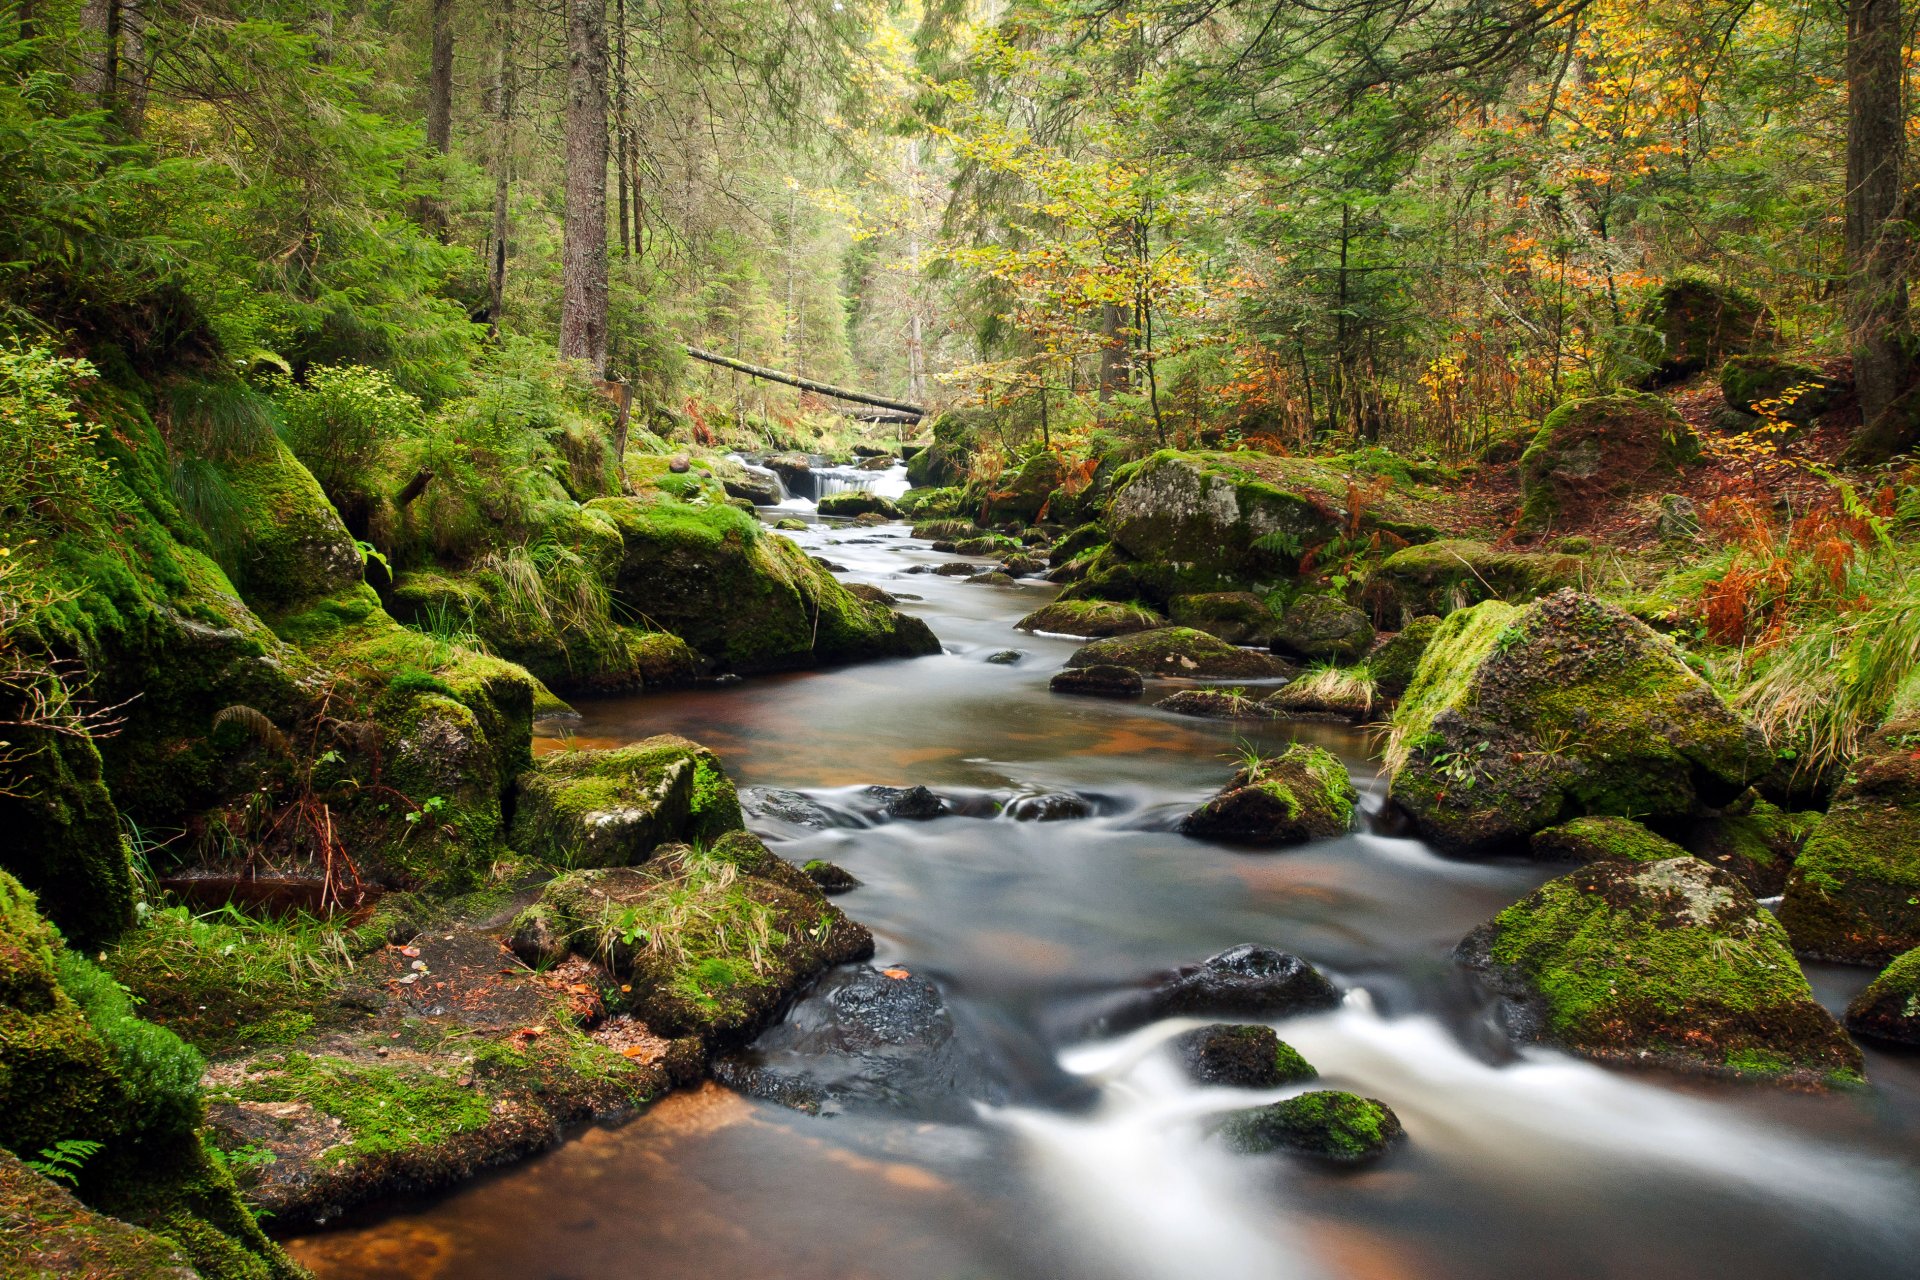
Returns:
(583,248)
(1113,352)
(99,20)
(622,134)
(1878,243)
(503,90)
(440,79)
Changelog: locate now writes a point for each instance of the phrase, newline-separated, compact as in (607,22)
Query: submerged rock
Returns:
(1099,682)
(1216,704)
(1589,455)
(1240,1057)
(1521,718)
(1322,629)
(610,808)
(1247,981)
(908,803)
(795,807)
(992,579)
(1302,794)
(1889,1007)
(1095,619)
(1005,657)
(1179,651)
(1669,964)
(1341,1127)
(1052,806)
(831,879)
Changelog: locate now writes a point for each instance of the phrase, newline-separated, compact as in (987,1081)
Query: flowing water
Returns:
(1078,1157)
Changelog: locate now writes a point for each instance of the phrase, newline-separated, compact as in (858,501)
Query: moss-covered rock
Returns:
(1076,542)
(859,502)
(1238,617)
(1754,839)
(1393,663)
(1302,794)
(1854,893)
(1435,578)
(1591,454)
(1241,1056)
(1340,1127)
(1694,321)
(1094,619)
(63,839)
(1796,393)
(1521,718)
(296,548)
(1602,839)
(1888,1008)
(712,942)
(1100,681)
(611,808)
(1338,694)
(1216,704)
(1664,964)
(1323,629)
(46,1234)
(1178,651)
(948,456)
(745,598)
(1022,494)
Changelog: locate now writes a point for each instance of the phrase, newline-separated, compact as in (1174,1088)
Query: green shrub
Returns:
(51,477)
(343,422)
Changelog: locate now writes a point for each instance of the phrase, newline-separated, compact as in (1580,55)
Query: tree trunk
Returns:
(440,79)
(130,67)
(622,133)
(99,23)
(1877,237)
(1113,352)
(583,247)
(503,89)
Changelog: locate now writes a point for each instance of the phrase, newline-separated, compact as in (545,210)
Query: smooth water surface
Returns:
(1089,1159)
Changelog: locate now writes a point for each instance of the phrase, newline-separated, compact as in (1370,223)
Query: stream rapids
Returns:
(1058,1155)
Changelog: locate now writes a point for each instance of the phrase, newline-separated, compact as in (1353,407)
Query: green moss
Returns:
(1593,452)
(1597,839)
(1091,618)
(385,1108)
(1445,672)
(1439,577)
(610,808)
(1177,651)
(1341,1127)
(1854,894)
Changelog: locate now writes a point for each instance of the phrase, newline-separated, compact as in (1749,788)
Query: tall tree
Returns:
(583,251)
(503,91)
(1878,240)
(440,78)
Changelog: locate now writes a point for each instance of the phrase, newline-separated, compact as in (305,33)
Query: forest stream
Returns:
(1040,1150)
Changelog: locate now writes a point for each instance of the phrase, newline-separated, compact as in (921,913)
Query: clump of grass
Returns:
(1328,684)
(696,916)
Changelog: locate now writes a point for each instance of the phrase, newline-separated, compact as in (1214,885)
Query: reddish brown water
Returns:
(1518,1166)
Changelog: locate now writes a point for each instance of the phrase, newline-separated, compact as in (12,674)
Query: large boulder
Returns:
(1435,578)
(1854,893)
(1589,455)
(1603,839)
(1669,964)
(1238,617)
(1092,619)
(745,598)
(1343,1128)
(1302,794)
(64,839)
(1179,651)
(1888,1008)
(1521,718)
(1694,321)
(948,458)
(1771,387)
(1022,493)
(46,1232)
(611,808)
(1323,629)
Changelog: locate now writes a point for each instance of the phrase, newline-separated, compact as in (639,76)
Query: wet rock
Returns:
(1179,651)
(1756,840)
(908,803)
(790,524)
(870,593)
(1246,981)
(757,487)
(1436,578)
(1238,617)
(1075,543)
(956,569)
(1602,840)
(538,938)
(945,529)
(795,471)
(1322,629)
(830,878)
(1302,794)
(830,566)
(880,463)
(1669,964)
(1098,682)
(1053,806)
(784,806)
(1889,1007)
(1340,1127)
(994,579)
(857,502)
(1521,717)
(1005,657)
(1590,455)
(1024,566)
(1216,704)
(1094,619)
(864,1039)
(1240,1057)
(610,808)
(1339,694)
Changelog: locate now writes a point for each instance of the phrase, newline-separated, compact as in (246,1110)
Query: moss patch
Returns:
(1094,619)
(610,808)
(1178,651)
(1341,1127)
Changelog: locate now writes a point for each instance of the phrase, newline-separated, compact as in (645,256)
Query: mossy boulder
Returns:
(1394,661)
(1302,794)
(713,941)
(1589,455)
(1602,839)
(1238,617)
(1022,493)
(1436,578)
(1240,1056)
(1093,619)
(1854,892)
(63,839)
(1796,393)
(948,456)
(611,808)
(1323,629)
(1347,695)
(76,1064)
(1694,321)
(1668,964)
(1076,542)
(746,599)
(1179,651)
(1753,838)
(1343,1128)
(46,1233)
(858,502)
(1521,718)
(296,549)
(759,487)
(1888,1008)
